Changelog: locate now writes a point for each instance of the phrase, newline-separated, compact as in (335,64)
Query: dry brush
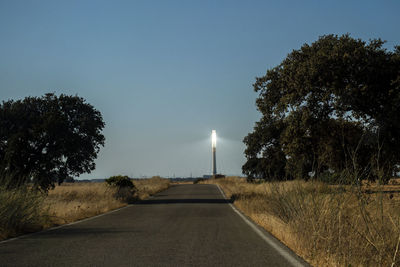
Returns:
(327,225)
(25,210)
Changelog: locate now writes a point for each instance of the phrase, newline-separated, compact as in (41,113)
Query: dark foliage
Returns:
(120,181)
(330,106)
(125,188)
(44,140)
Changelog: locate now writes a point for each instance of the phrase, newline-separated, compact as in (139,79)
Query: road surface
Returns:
(186,225)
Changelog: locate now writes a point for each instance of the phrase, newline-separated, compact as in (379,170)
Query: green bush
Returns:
(120,181)
(125,188)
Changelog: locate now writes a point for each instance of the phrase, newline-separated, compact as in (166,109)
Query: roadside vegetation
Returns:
(21,211)
(45,141)
(25,210)
(149,187)
(329,109)
(322,155)
(327,225)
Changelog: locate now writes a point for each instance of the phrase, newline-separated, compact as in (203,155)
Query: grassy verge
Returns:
(23,210)
(20,211)
(148,187)
(326,225)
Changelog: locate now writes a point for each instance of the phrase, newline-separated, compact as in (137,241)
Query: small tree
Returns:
(47,139)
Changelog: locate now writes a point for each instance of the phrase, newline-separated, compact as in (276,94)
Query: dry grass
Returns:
(326,225)
(20,211)
(72,202)
(23,211)
(148,187)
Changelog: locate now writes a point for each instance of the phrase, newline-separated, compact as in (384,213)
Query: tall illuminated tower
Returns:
(214,147)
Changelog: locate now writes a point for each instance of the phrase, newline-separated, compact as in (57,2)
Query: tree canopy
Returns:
(48,139)
(328,107)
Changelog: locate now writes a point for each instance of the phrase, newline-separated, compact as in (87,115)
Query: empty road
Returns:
(186,225)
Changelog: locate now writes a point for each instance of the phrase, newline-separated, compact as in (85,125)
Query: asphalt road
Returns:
(186,225)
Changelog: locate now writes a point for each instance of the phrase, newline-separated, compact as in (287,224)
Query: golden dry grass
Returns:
(148,187)
(26,211)
(20,211)
(71,202)
(326,225)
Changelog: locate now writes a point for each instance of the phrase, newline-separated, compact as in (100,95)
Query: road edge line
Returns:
(64,225)
(71,223)
(290,258)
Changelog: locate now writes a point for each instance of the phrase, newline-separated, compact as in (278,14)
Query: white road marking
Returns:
(273,243)
(61,226)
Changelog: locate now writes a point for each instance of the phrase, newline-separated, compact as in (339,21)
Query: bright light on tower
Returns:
(214,139)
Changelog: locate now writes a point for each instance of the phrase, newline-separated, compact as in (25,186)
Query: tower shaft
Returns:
(214,148)
(214,161)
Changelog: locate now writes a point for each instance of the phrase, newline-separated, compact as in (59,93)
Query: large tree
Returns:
(339,102)
(47,139)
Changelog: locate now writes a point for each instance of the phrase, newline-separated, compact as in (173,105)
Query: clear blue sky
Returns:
(165,73)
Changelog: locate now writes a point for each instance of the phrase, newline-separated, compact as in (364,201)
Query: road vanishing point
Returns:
(185,225)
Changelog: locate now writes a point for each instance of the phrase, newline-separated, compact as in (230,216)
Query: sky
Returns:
(165,73)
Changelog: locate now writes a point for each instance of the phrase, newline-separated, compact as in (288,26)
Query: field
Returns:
(24,210)
(326,225)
